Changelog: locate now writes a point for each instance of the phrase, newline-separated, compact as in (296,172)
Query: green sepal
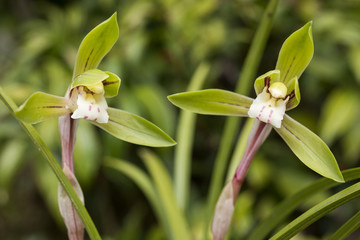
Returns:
(96,45)
(213,102)
(111,85)
(296,53)
(259,84)
(293,85)
(89,78)
(42,106)
(309,148)
(134,129)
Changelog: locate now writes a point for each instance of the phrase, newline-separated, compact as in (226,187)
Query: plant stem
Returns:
(65,183)
(231,126)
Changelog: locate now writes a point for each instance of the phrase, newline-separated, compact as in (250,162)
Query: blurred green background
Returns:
(161,44)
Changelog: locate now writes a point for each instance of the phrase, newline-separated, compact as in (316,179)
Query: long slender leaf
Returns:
(244,84)
(349,227)
(65,183)
(286,207)
(185,138)
(144,183)
(317,212)
(164,188)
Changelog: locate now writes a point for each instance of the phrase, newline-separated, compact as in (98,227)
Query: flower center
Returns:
(91,104)
(278,90)
(270,105)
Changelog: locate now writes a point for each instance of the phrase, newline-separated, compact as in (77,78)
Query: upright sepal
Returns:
(213,102)
(96,45)
(296,53)
(42,106)
(309,148)
(134,129)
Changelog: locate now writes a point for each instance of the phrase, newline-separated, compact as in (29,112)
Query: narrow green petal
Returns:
(96,45)
(41,106)
(274,76)
(134,129)
(90,77)
(296,53)
(309,148)
(293,86)
(111,85)
(213,102)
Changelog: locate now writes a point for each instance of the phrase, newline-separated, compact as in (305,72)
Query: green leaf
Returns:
(111,85)
(185,138)
(287,206)
(339,114)
(309,148)
(42,106)
(89,78)
(96,45)
(134,129)
(295,53)
(349,227)
(213,102)
(49,157)
(259,84)
(317,212)
(146,185)
(163,185)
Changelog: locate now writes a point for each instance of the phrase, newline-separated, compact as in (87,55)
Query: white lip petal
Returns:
(268,109)
(91,107)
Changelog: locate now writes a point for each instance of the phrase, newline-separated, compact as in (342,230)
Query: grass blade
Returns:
(286,207)
(65,183)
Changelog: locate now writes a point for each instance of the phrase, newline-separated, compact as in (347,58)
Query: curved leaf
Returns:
(317,212)
(132,128)
(96,45)
(309,148)
(42,106)
(163,185)
(286,207)
(213,102)
(349,227)
(296,53)
(143,181)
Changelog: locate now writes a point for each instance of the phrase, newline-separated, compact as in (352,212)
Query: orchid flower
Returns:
(277,92)
(86,99)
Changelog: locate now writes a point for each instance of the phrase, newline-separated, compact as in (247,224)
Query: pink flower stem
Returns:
(259,132)
(67,128)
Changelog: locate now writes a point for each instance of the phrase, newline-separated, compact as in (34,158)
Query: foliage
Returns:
(161,45)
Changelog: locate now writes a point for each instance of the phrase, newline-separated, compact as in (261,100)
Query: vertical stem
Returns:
(259,132)
(67,129)
(185,137)
(55,167)
(231,126)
